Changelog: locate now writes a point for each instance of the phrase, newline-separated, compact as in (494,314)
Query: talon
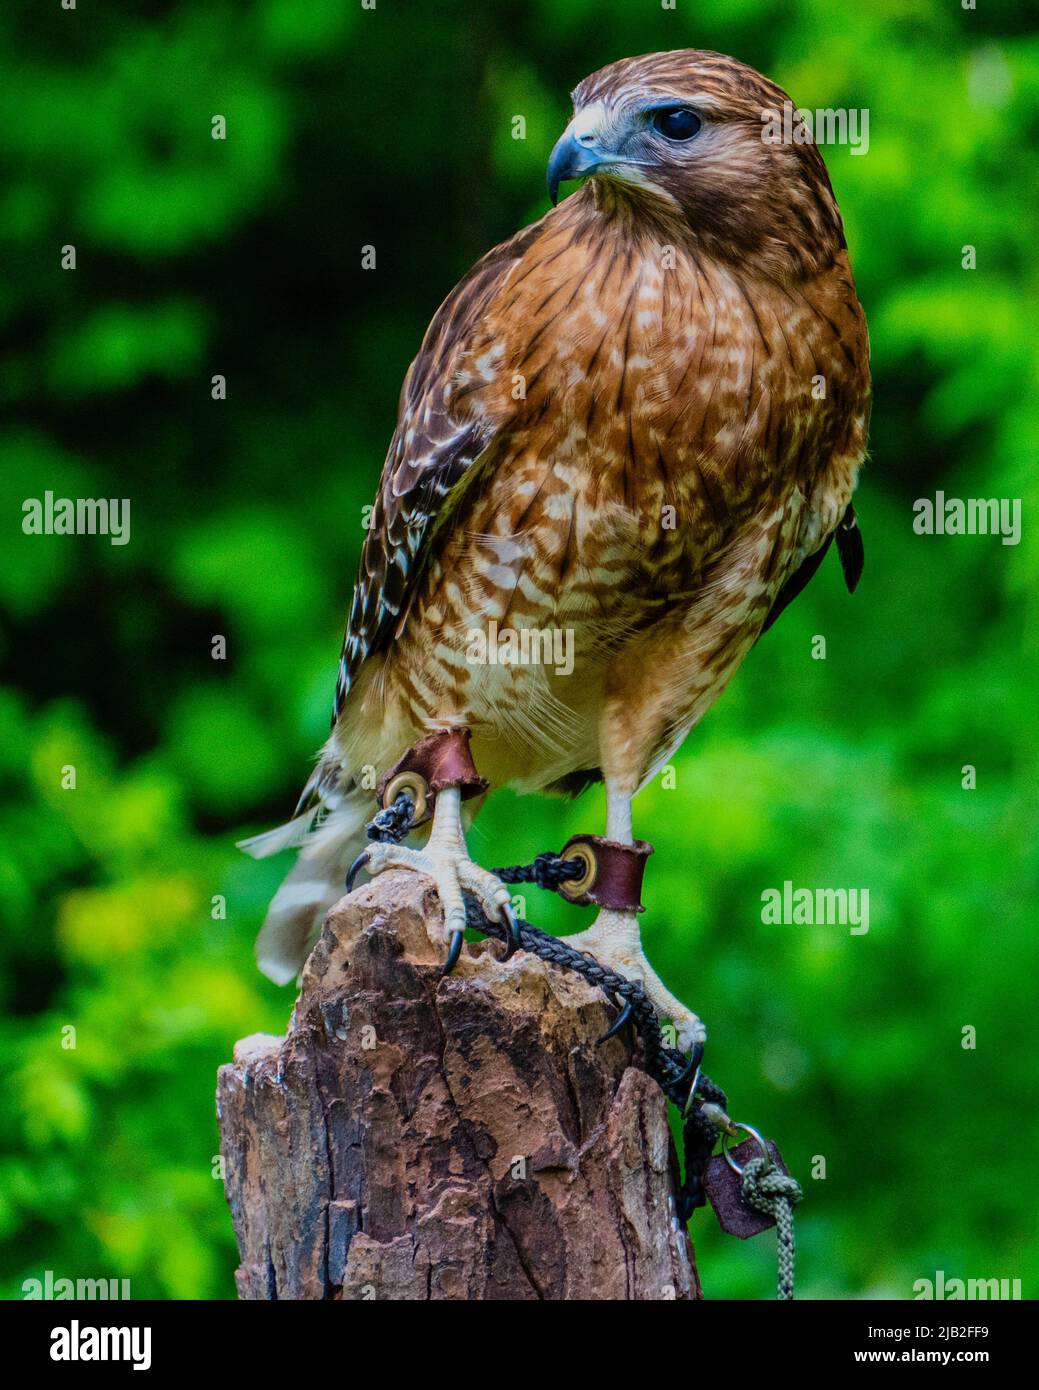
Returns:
(355,869)
(453,952)
(691,1097)
(614,942)
(512,942)
(617,1024)
(691,1068)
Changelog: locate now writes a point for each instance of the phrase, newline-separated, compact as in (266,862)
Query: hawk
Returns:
(637,423)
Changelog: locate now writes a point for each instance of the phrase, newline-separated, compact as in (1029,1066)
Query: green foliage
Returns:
(242,257)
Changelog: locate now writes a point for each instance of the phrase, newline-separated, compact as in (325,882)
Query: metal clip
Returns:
(719,1119)
(747,1129)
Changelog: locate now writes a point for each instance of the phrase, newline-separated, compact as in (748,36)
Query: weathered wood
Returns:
(465,1138)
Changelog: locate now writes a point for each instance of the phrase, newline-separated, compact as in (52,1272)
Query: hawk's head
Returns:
(692,134)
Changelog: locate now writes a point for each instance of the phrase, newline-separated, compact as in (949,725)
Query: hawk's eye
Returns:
(676,122)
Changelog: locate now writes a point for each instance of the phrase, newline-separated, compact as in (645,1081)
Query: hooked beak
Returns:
(570,159)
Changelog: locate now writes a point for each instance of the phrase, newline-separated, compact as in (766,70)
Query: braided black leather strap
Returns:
(392,824)
(668,1067)
(546,870)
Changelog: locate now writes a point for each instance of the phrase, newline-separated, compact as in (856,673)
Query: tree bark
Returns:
(464,1138)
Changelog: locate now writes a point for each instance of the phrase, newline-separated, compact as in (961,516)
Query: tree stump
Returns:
(422,1138)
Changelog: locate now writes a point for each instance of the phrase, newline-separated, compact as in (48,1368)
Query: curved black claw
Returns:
(355,868)
(453,952)
(691,1068)
(617,1024)
(512,941)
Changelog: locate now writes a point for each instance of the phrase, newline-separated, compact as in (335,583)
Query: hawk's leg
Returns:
(445,859)
(615,940)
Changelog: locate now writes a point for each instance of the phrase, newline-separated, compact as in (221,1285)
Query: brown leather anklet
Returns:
(441,759)
(614,872)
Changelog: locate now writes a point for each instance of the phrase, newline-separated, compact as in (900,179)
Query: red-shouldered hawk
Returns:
(635,426)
